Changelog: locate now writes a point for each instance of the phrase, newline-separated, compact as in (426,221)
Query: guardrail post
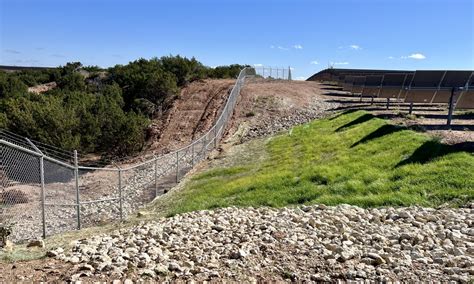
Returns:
(410,111)
(177,166)
(156,176)
(192,154)
(372,101)
(78,201)
(388,103)
(43,196)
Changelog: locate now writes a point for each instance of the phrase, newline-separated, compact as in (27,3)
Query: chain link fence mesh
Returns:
(44,191)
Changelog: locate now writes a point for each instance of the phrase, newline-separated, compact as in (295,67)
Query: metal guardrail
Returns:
(42,194)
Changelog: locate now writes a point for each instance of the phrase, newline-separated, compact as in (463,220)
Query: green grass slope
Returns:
(352,158)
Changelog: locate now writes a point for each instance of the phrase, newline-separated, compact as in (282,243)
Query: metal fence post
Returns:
(78,201)
(177,166)
(120,192)
(43,197)
(156,176)
(215,137)
(192,154)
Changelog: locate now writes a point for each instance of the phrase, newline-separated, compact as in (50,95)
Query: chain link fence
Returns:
(273,72)
(45,191)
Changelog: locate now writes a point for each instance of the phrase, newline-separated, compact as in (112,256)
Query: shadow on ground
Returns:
(380,132)
(433,149)
(359,120)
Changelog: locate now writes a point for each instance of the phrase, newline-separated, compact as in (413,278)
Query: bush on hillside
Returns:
(108,111)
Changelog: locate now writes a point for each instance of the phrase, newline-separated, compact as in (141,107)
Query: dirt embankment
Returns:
(191,115)
(267,107)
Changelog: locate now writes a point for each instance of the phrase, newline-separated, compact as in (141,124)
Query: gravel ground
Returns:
(315,243)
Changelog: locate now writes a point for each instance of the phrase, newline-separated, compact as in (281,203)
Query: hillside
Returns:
(352,158)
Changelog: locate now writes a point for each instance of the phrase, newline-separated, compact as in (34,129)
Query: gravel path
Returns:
(315,243)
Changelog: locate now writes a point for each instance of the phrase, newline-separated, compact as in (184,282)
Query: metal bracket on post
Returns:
(78,201)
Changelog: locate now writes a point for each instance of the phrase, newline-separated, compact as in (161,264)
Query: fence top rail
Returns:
(17,147)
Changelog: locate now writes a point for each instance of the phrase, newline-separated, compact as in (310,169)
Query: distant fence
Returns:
(44,190)
(273,72)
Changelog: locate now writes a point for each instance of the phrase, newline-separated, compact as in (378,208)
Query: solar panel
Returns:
(408,80)
(471,82)
(424,86)
(455,79)
(427,79)
(358,85)
(347,85)
(392,85)
(373,80)
(466,101)
(452,79)
(372,85)
(394,80)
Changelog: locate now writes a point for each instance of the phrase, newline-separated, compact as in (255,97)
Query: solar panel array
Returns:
(421,86)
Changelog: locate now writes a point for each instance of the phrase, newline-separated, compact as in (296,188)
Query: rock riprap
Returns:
(314,243)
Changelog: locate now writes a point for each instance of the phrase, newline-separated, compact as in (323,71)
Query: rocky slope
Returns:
(314,243)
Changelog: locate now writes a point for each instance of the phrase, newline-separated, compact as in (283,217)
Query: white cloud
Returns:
(355,46)
(390,57)
(258,65)
(417,56)
(272,46)
(339,63)
(300,78)
(282,48)
(314,62)
(297,46)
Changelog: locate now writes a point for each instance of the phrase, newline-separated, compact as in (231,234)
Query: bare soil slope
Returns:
(192,114)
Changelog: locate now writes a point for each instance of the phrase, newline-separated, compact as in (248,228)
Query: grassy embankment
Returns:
(352,158)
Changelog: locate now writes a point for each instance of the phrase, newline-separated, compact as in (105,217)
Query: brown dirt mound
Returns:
(193,113)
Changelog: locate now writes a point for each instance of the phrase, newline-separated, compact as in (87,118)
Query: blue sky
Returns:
(308,35)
